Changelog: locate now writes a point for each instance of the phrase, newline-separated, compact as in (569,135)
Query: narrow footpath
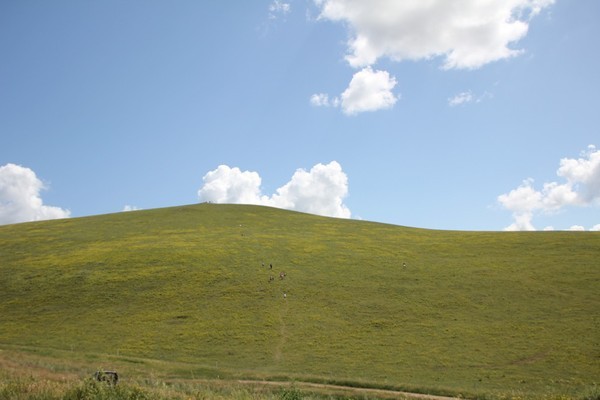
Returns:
(349,390)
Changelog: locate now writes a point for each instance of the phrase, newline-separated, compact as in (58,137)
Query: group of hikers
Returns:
(282,276)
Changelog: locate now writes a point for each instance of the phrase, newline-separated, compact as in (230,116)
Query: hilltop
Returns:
(365,303)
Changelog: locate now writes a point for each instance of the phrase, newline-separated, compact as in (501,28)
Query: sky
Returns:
(465,115)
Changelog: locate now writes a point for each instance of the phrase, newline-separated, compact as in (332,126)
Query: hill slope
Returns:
(482,312)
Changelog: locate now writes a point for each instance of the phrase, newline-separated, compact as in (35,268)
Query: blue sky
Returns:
(371,110)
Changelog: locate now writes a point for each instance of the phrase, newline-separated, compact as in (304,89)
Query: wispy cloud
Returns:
(461,98)
(279,9)
(323,100)
(466,97)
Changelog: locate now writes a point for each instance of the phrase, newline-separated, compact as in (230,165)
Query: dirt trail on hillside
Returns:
(349,390)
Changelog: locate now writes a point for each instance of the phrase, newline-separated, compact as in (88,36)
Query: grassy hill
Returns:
(488,313)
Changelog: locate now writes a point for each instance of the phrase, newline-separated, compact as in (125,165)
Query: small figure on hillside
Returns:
(270,266)
(271,278)
(282,275)
(284,295)
(404,265)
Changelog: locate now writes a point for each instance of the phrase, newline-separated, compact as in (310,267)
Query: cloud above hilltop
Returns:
(580,186)
(463,35)
(319,191)
(20,197)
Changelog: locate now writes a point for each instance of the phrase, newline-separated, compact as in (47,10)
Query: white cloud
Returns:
(319,100)
(278,8)
(555,196)
(583,171)
(369,91)
(231,185)
(468,97)
(461,98)
(582,188)
(467,34)
(130,208)
(595,228)
(20,199)
(576,228)
(522,222)
(322,100)
(523,199)
(318,191)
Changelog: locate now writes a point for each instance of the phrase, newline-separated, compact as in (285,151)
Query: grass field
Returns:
(367,304)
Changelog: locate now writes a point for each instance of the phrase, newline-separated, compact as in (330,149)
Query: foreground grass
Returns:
(91,390)
(477,313)
(26,374)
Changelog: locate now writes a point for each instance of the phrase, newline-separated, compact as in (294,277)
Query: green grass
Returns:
(88,389)
(477,313)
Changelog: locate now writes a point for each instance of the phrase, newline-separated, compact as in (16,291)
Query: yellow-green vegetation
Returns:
(493,314)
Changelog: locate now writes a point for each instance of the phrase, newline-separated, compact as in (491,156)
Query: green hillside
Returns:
(372,304)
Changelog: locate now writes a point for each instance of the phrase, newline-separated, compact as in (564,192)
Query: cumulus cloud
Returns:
(231,185)
(581,188)
(20,199)
(522,222)
(130,208)
(318,191)
(583,171)
(523,199)
(466,34)
(368,91)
